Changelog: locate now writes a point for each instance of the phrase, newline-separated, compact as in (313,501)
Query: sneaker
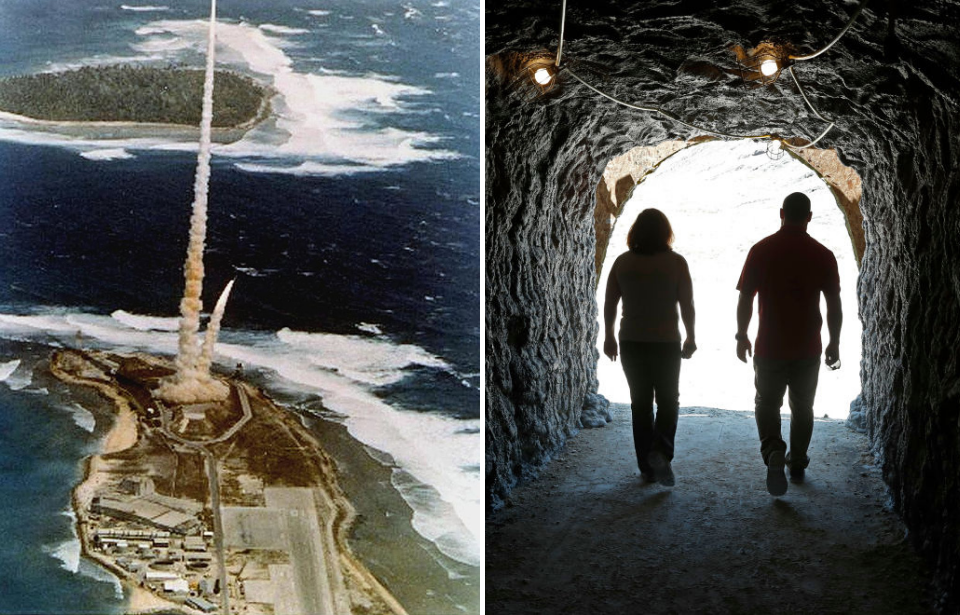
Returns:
(662,469)
(776,479)
(796,475)
(648,478)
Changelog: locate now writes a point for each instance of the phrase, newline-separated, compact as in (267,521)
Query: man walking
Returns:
(788,270)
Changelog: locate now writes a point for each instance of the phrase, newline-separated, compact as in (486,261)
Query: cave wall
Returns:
(910,305)
(892,86)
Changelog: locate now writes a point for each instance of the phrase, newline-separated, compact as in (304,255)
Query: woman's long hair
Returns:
(651,233)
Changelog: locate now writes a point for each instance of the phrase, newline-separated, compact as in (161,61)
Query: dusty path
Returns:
(589,537)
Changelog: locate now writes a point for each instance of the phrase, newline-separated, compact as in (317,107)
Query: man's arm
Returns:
(834,322)
(744,314)
(611,299)
(687,312)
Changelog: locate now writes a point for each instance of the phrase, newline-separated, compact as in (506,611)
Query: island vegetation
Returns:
(130,93)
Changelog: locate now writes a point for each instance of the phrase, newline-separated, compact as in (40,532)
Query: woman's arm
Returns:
(611,299)
(687,311)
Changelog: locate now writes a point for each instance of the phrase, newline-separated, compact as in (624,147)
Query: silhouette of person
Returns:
(652,280)
(788,270)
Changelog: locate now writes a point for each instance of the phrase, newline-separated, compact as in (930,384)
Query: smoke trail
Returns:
(213,329)
(190,380)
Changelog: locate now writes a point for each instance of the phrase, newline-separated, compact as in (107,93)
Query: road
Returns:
(213,480)
(247,415)
(213,477)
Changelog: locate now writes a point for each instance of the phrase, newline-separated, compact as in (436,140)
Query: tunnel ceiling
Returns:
(892,85)
(675,55)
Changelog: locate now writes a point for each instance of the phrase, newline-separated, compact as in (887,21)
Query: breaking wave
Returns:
(146,323)
(82,417)
(144,9)
(7,369)
(107,154)
(275,29)
(322,123)
(69,554)
(435,456)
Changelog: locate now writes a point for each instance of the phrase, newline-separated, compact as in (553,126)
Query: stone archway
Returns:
(624,172)
(721,196)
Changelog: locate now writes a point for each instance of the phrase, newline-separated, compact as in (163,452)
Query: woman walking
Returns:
(652,280)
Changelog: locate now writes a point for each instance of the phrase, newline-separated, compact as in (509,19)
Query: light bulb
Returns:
(774,149)
(542,76)
(768,67)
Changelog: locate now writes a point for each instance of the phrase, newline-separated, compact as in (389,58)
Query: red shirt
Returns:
(789,270)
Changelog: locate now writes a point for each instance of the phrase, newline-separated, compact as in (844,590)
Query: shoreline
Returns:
(123,434)
(342,524)
(384,517)
(374,527)
(351,577)
(118,130)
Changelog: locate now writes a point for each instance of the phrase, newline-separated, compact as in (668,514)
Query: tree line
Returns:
(128,93)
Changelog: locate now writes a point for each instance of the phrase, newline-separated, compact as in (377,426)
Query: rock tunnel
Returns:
(891,84)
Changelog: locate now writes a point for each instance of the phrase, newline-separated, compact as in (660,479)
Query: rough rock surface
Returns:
(892,86)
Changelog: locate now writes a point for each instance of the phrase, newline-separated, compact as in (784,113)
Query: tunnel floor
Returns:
(589,537)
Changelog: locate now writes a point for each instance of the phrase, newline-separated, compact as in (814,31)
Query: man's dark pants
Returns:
(773,378)
(652,370)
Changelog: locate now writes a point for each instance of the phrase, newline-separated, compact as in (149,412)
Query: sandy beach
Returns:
(143,601)
(359,510)
(122,435)
(115,131)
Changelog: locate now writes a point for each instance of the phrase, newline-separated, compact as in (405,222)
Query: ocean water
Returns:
(350,220)
(40,557)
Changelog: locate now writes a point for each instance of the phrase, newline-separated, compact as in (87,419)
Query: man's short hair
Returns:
(796,207)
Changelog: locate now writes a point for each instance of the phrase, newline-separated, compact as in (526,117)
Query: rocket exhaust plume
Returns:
(192,381)
(213,329)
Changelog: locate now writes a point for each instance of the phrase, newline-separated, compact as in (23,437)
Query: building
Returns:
(177,587)
(157,576)
(136,485)
(194,543)
(201,604)
(147,510)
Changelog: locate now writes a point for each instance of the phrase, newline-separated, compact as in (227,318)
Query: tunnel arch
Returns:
(625,172)
(732,207)
(893,87)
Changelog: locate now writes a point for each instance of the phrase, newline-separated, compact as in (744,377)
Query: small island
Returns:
(228,507)
(134,94)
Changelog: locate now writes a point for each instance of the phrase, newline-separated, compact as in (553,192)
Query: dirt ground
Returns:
(589,536)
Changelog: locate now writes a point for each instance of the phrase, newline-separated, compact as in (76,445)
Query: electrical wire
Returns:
(856,14)
(563,22)
(665,114)
(815,112)
(674,118)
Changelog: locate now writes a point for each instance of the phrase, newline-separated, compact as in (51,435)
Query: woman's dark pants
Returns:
(653,371)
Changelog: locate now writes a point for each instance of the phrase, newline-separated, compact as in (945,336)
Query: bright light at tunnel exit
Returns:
(722,197)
